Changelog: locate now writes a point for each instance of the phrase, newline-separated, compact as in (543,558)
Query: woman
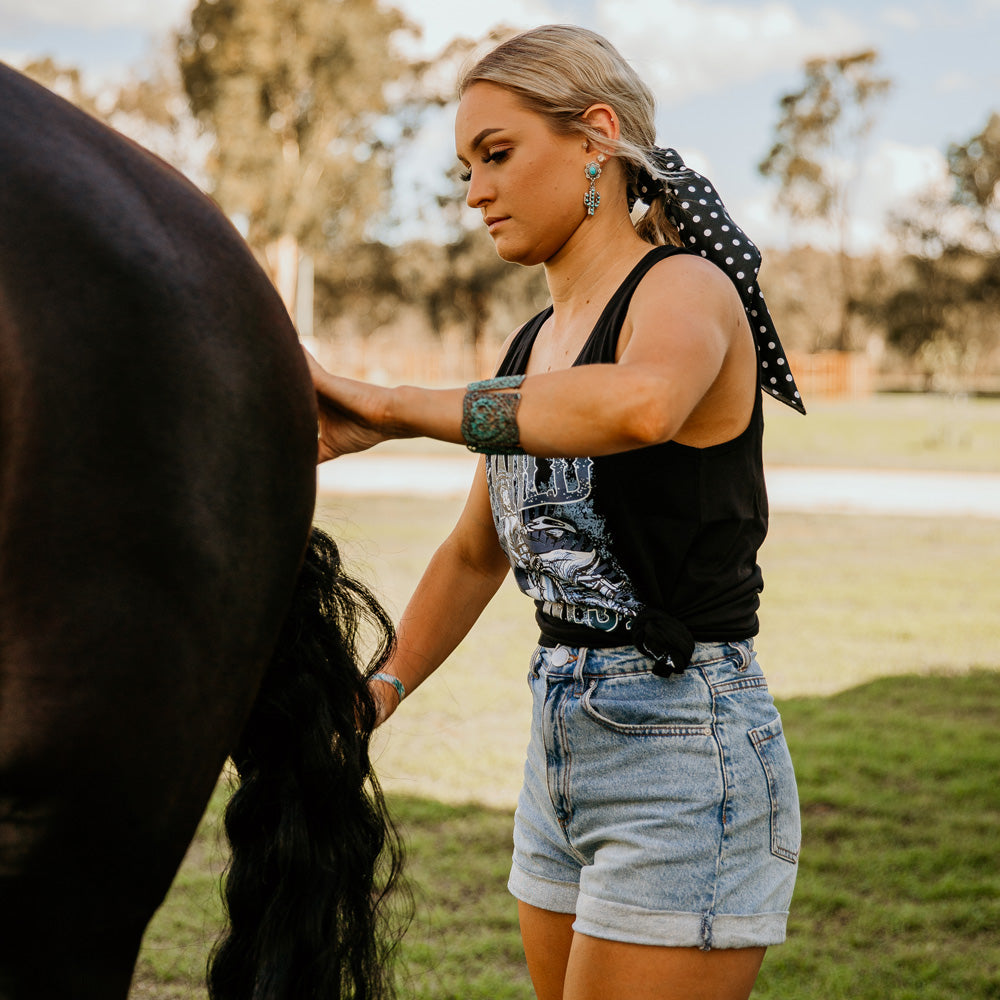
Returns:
(656,834)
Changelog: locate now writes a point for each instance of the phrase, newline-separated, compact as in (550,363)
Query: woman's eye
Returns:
(495,156)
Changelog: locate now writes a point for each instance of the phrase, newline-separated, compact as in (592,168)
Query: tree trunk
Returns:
(283,256)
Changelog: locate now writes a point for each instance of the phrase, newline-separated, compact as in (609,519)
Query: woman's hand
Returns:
(352,414)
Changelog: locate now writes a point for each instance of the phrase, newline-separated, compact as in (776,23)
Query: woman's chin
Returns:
(516,253)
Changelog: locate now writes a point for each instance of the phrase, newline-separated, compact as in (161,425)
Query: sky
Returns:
(718,70)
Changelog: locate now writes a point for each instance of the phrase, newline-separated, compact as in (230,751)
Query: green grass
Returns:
(898,894)
(880,639)
(899,887)
(899,432)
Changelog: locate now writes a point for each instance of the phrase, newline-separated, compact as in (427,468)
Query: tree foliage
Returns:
(66,81)
(975,171)
(824,119)
(295,93)
(939,306)
(815,151)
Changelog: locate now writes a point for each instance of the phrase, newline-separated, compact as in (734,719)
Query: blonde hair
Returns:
(559,71)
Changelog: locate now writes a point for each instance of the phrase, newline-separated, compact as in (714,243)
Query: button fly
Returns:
(560,656)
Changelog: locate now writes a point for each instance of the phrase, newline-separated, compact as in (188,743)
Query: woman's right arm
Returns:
(460,580)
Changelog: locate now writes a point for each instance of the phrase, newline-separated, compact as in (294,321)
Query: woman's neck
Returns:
(592,265)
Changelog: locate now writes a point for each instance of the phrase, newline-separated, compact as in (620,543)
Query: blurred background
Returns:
(857,143)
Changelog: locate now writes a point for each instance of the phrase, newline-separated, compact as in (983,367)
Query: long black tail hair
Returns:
(314,853)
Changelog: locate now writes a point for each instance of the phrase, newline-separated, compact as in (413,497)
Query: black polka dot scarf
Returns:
(703,223)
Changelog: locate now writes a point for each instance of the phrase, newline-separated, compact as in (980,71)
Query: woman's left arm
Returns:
(681,334)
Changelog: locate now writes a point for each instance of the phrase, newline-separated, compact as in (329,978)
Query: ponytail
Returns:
(655,225)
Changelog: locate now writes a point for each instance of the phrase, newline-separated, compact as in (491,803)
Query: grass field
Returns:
(880,639)
(892,431)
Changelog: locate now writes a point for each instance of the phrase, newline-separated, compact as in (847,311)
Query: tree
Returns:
(975,171)
(295,93)
(940,306)
(152,108)
(820,123)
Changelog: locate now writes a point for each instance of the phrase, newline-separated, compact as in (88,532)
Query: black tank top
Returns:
(671,528)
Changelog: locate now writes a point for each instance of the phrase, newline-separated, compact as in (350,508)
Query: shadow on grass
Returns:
(898,895)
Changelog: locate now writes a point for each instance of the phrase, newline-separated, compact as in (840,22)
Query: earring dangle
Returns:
(592,171)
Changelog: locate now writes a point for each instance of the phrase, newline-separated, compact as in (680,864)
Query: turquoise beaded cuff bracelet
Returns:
(394,681)
(489,416)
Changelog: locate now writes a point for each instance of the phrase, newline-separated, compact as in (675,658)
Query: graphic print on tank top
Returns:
(557,543)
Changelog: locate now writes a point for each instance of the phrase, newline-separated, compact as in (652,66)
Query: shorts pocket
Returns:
(640,705)
(786,830)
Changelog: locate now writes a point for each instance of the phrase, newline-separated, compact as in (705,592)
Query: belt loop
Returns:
(581,659)
(535,663)
(745,655)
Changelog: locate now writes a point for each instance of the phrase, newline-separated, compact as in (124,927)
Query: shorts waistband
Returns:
(597,661)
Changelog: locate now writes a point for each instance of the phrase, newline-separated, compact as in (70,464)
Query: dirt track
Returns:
(846,491)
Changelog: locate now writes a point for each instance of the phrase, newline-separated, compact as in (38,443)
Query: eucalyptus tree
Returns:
(297,94)
(816,150)
(940,305)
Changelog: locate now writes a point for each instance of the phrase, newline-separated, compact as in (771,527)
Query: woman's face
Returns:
(527,181)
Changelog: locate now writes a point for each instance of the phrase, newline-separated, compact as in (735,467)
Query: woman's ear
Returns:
(602,118)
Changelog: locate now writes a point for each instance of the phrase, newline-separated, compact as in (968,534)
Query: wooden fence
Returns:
(832,375)
(827,374)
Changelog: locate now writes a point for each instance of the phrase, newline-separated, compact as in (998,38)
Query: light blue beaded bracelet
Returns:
(394,681)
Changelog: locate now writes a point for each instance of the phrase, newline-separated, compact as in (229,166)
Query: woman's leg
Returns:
(547,938)
(612,970)
(569,966)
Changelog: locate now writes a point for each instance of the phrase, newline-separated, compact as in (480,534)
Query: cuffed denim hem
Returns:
(611,921)
(559,897)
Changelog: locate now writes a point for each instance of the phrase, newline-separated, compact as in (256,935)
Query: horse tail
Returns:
(314,853)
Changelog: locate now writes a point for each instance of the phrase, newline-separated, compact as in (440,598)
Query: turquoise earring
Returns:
(592,171)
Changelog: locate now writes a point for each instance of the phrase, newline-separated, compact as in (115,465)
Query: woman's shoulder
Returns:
(687,276)
(680,260)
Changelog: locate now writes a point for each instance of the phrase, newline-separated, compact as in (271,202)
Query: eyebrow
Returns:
(477,142)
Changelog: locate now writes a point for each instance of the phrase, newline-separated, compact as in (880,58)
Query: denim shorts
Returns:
(658,810)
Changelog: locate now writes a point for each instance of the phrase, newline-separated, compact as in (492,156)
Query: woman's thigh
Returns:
(615,970)
(568,966)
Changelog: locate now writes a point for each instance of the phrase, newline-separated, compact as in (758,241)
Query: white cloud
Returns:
(955,81)
(441,20)
(444,20)
(890,178)
(901,17)
(100,14)
(685,47)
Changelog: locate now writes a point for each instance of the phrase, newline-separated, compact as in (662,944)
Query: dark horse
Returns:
(164,603)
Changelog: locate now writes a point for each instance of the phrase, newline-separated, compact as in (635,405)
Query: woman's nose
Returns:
(478,193)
